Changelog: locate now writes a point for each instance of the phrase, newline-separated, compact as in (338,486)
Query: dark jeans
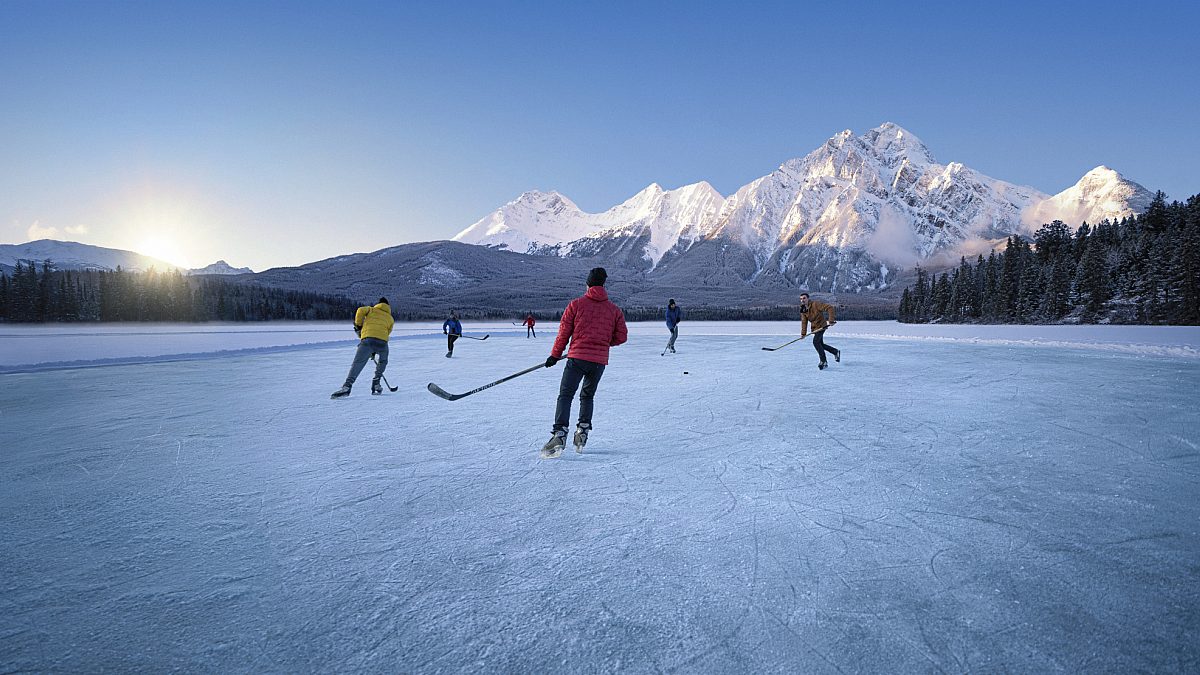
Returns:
(530,331)
(674,335)
(821,347)
(450,338)
(577,370)
(368,347)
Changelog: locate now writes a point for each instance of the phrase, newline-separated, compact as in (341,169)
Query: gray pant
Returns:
(368,347)
(674,335)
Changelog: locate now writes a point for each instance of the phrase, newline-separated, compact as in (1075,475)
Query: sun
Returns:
(163,248)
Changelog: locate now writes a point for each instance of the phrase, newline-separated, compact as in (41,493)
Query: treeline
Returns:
(33,295)
(1144,269)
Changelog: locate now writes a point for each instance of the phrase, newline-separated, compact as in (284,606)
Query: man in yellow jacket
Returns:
(374,326)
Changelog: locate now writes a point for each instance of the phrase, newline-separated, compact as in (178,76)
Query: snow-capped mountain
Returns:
(221,267)
(539,222)
(70,255)
(1101,194)
(840,218)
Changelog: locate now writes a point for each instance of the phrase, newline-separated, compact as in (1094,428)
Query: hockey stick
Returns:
(775,349)
(389,384)
(475,338)
(438,391)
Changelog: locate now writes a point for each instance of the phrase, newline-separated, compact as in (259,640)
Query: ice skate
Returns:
(341,393)
(554,447)
(581,436)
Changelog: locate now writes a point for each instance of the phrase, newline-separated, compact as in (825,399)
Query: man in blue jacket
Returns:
(451,329)
(674,316)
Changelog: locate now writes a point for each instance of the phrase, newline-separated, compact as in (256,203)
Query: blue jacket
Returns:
(453,326)
(674,316)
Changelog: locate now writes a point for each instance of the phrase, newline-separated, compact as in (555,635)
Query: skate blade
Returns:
(553,454)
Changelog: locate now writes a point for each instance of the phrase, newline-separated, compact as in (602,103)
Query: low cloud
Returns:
(893,240)
(38,231)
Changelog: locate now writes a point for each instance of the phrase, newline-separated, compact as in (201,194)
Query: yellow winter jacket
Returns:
(374,322)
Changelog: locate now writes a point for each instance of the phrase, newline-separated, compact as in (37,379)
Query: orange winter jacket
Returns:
(816,316)
(374,322)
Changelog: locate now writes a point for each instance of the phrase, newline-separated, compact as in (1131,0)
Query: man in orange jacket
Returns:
(814,311)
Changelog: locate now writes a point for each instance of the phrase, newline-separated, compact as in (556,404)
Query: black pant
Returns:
(821,347)
(450,338)
(577,370)
(530,331)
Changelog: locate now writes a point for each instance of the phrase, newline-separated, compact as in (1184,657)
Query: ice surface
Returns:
(958,499)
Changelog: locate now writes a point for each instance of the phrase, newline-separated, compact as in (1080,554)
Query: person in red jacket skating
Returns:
(529,323)
(593,324)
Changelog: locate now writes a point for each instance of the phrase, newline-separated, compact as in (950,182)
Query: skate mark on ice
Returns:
(933,568)
(352,502)
(1099,438)
(834,439)
(1130,540)
(733,498)
(989,521)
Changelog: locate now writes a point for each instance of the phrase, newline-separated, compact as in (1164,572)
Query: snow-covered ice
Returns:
(946,498)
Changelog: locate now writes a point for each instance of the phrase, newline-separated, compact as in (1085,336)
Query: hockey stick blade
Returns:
(442,393)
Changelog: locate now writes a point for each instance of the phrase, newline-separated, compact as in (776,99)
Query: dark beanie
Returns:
(597,277)
(383,301)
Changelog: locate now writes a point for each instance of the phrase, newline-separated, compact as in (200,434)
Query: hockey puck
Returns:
(685,372)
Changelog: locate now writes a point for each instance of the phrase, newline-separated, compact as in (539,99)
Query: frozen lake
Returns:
(947,498)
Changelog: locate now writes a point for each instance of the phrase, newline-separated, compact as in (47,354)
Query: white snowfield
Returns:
(1011,499)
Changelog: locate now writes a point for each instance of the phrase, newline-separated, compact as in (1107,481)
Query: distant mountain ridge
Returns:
(70,255)
(841,218)
(221,267)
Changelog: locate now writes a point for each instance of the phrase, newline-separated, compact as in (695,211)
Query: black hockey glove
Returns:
(551,360)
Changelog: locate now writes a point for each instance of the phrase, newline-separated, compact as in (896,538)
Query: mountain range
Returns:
(845,217)
(849,219)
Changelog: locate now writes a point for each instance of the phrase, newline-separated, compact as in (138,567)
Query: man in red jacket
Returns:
(593,324)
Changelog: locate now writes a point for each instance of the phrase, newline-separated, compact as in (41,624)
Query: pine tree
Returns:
(1052,240)
(1031,290)
(1187,267)
(1091,281)
(1081,239)
(991,282)
(977,275)
(5,306)
(904,314)
(1056,297)
(921,297)
(939,298)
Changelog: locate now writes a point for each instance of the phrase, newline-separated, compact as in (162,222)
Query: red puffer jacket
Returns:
(592,324)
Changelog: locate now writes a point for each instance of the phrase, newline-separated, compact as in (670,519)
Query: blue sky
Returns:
(277,133)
